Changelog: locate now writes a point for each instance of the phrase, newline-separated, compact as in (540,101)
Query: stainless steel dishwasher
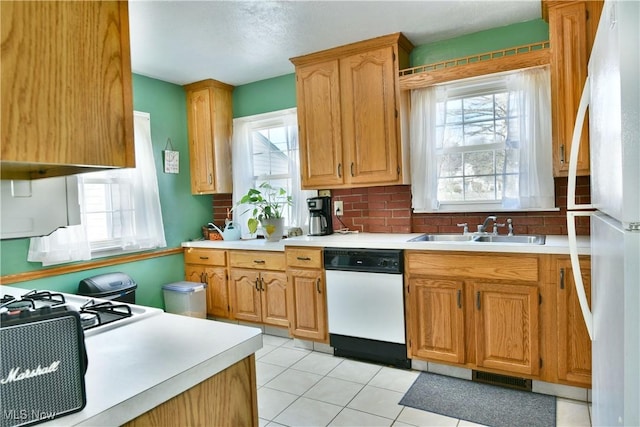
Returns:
(365,304)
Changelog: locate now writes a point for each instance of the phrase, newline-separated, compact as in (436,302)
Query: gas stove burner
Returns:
(103,313)
(89,320)
(53,298)
(12,304)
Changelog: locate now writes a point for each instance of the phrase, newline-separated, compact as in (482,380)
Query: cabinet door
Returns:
(436,319)
(199,113)
(307,304)
(245,295)
(369,119)
(273,287)
(319,121)
(574,344)
(568,35)
(66,87)
(506,326)
(217,290)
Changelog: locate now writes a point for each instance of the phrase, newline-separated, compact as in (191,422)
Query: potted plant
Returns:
(268,207)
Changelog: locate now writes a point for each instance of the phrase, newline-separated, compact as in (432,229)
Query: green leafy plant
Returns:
(268,202)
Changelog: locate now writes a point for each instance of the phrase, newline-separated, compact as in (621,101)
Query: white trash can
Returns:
(186,298)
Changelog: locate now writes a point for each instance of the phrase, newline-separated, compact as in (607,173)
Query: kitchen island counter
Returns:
(553,245)
(137,367)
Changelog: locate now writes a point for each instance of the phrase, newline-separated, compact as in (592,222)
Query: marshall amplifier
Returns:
(43,362)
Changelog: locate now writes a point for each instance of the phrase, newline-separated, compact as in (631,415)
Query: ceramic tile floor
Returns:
(299,387)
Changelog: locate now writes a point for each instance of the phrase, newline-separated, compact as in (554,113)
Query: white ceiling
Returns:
(239,42)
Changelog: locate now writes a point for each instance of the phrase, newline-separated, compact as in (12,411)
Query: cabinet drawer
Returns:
(205,256)
(257,259)
(522,267)
(304,258)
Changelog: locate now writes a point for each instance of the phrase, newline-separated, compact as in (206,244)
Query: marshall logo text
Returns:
(16,375)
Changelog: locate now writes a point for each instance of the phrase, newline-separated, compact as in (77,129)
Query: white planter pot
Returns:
(273,229)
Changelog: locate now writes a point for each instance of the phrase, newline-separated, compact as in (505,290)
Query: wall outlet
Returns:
(338,208)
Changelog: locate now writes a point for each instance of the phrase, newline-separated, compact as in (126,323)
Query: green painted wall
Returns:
(274,94)
(484,41)
(183,214)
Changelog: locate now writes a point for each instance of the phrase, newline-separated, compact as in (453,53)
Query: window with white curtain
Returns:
(483,144)
(265,149)
(119,208)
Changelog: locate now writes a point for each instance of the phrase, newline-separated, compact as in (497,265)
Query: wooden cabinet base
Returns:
(229,398)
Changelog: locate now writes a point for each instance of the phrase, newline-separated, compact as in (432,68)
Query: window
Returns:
(483,144)
(265,149)
(476,161)
(119,210)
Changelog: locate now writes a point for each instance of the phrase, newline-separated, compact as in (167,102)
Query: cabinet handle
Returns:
(562,154)
(318,285)
(262,284)
(478,300)
(257,284)
(210,179)
(562,278)
(206,278)
(259,261)
(459,298)
(352,169)
(202,277)
(304,258)
(339,170)
(204,257)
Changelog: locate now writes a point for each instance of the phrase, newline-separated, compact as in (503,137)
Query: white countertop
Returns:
(135,368)
(553,244)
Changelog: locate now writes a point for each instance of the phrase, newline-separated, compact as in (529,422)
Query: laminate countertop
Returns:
(134,368)
(553,244)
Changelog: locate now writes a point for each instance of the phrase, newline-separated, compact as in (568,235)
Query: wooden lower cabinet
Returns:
(574,344)
(478,311)
(229,398)
(307,304)
(217,289)
(209,266)
(506,327)
(436,330)
(307,294)
(259,296)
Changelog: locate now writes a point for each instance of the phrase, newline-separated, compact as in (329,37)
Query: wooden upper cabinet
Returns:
(348,113)
(369,115)
(572,27)
(209,117)
(66,88)
(319,121)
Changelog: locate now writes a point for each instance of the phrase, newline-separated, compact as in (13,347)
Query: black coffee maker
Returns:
(320,223)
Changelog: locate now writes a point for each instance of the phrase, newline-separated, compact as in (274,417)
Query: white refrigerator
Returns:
(612,97)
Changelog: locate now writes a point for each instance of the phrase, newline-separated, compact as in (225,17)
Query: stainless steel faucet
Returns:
(482,228)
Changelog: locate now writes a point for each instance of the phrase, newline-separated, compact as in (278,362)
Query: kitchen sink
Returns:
(530,239)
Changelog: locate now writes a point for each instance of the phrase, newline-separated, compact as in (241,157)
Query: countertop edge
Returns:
(149,399)
(555,244)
